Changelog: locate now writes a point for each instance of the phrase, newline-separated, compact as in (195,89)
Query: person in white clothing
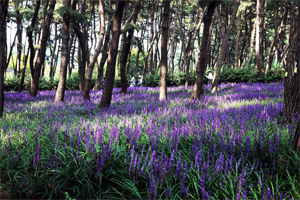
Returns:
(140,83)
(209,77)
(132,81)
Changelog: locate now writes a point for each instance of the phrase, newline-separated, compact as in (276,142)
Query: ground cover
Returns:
(231,145)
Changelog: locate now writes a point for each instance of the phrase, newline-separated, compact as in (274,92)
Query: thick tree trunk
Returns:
(90,69)
(202,57)
(126,48)
(113,51)
(104,56)
(292,80)
(3,51)
(172,53)
(29,44)
(164,51)
(65,55)
(221,53)
(42,51)
(258,60)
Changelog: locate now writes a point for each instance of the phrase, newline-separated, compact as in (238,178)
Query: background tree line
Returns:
(164,36)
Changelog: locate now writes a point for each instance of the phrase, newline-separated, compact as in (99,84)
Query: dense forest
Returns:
(99,45)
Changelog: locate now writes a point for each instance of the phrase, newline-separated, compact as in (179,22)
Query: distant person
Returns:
(132,81)
(140,83)
(103,81)
(209,77)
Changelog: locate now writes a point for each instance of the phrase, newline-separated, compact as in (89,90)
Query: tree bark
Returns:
(258,60)
(126,48)
(29,44)
(53,51)
(292,80)
(3,51)
(150,60)
(164,51)
(221,53)
(202,56)
(172,53)
(237,41)
(103,57)
(19,21)
(112,56)
(42,51)
(182,61)
(90,68)
(191,50)
(65,55)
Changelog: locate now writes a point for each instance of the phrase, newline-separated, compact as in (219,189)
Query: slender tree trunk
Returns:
(237,41)
(221,53)
(138,53)
(191,50)
(156,53)
(89,73)
(65,55)
(202,56)
(258,60)
(29,44)
(172,53)
(148,53)
(113,51)
(103,57)
(42,51)
(164,51)
(53,52)
(150,59)
(10,52)
(126,48)
(19,20)
(3,51)
(182,34)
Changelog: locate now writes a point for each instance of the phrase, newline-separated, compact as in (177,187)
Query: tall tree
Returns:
(90,69)
(202,61)
(164,51)
(221,53)
(30,46)
(3,13)
(112,56)
(65,54)
(258,21)
(172,53)
(126,48)
(19,21)
(40,54)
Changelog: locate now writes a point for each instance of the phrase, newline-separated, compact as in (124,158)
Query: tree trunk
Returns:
(90,69)
(172,53)
(202,56)
(258,59)
(29,44)
(3,51)
(72,58)
(237,41)
(156,53)
(42,51)
(221,53)
(53,51)
(292,80)
(164,51)
(19,21)
(150,60)
(126,48)
(191,50)
(182,61)
(70,45)
(65,55)
(113,51)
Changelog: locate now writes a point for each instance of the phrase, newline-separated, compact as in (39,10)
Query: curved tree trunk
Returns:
(221,53)
(126,48)
(201,65)
(53,51)
(164,51)
(30,44)
(90,68)
(3,13)
(104,56)
(65,55)
(112,56)
(42,51)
